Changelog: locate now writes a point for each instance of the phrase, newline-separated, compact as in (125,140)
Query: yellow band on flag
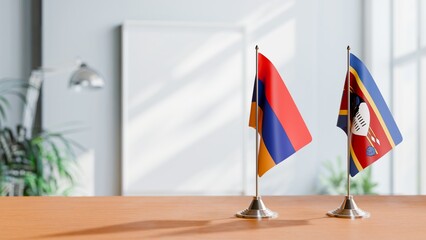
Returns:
(376,111)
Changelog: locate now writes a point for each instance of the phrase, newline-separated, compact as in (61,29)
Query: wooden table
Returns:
(392,217)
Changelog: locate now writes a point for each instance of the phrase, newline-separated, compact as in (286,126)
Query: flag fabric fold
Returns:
(373,130)
(281,127)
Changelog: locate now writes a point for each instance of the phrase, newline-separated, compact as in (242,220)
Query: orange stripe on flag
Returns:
(265,159)
(252,121)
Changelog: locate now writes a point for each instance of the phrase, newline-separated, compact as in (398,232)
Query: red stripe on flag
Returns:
(282,104)
(360,143)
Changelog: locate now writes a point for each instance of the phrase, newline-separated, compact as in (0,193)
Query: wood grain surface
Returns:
(300,217)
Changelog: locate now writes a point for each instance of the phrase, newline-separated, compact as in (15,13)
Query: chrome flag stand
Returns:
(348,209)
(257,208)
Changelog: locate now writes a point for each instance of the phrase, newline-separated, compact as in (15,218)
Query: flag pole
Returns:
(348,209)
(257,208)
(348,129)
(257,121)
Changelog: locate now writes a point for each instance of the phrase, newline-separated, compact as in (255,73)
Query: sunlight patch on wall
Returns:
(185,119)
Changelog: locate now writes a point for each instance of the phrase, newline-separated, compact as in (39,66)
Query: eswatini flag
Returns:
(373,129)
(281,127)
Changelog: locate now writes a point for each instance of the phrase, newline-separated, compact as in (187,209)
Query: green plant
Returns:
(334,180)
(40,165)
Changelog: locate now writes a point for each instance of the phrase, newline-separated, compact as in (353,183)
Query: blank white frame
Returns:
(128,25)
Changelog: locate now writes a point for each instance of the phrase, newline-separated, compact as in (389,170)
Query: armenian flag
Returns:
(373,130)
(281,127)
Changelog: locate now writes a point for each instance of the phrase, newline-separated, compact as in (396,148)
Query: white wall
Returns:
(394,45)
(15,47)
(305,39)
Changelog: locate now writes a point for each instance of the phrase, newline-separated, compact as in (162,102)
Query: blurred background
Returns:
(172,116)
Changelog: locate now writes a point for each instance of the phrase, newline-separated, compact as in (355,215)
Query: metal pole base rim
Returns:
(257,209)
(349,209)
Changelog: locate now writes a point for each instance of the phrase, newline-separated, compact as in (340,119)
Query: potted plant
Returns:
(33,166)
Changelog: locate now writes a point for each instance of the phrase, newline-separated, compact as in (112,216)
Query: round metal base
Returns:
(348,209)
(257,209)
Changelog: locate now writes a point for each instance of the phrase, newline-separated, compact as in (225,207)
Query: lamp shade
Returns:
(86,77)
